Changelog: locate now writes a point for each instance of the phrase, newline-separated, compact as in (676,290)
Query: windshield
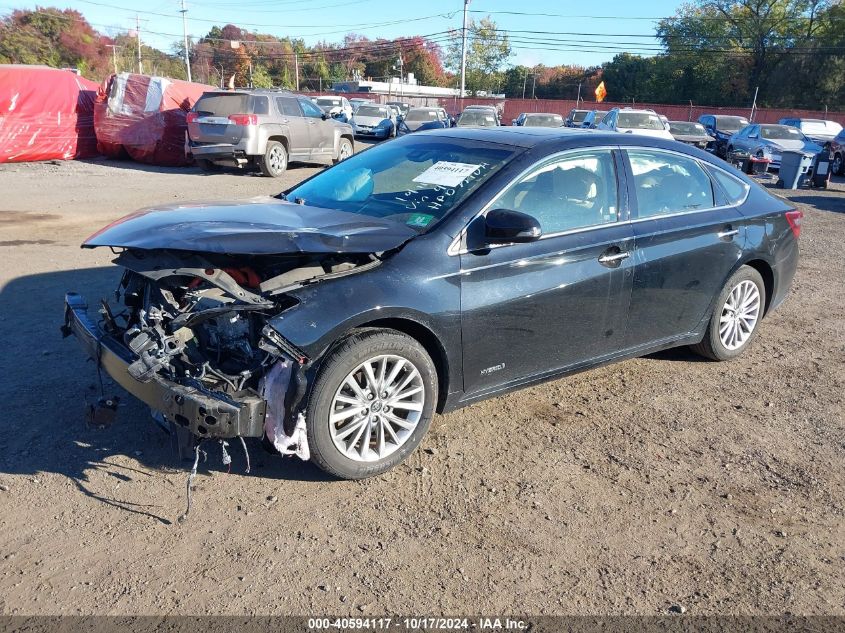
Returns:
(730,123)
(682,127)
(781,133)
(639,121)
(476,117)
(368,110)
(421,115)
(543,120)
(328,101)
(222,105)
(414,180)
(827,128)
(576,116)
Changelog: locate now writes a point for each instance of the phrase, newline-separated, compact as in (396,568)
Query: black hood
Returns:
(259,226)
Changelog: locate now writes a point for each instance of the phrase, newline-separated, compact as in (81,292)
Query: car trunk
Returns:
(212,123)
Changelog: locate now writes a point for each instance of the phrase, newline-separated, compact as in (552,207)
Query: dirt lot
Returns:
(656,482)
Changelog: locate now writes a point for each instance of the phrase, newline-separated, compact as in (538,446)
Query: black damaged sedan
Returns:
(427,273)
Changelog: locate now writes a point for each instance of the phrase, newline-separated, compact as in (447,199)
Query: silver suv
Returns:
(264,128)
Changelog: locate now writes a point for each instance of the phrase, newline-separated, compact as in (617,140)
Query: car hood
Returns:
(415,125)
(370,121)
(693,138)
(786,144)
(258,226)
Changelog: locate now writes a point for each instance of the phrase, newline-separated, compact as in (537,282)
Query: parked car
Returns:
(837,152)
(409,291)
(769,140)
(519,120)
(403,106)
(397,112)
(631,121)
(266,129)
(575,117)
(542,119)
(592,119)
(690,132)
(476,118)
(416,118)
(335,106)
(374,120)
(357,102)
(817,130)
(721,127)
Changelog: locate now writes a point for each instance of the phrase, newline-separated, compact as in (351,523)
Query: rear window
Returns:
(578,115)
(681,127)
(543,120)
(222,104)
(820,127)
(734,188)
(368,110)
(730,123)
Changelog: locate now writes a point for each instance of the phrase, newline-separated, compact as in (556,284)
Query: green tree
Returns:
(488,49)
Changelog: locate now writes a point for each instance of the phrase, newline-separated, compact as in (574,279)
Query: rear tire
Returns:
(274,162)
(736,318)
(207,166)
(343,384)
(838,165)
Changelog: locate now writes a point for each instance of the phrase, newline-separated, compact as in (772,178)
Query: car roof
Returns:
(543,114)
(690,122)
(629,109)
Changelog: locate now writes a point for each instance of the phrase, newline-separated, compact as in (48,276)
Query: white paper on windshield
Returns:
(446,174)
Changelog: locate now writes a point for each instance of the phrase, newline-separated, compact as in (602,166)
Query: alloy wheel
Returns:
(376,408)
(345,151)
(739,315)
(277,159)
(837,164)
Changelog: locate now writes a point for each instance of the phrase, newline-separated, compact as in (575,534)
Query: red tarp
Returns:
(144,117)
(45,114)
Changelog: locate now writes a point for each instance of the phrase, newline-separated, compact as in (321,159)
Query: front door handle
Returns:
(728,233)
(613,257)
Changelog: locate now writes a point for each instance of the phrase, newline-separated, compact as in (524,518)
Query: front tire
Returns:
(838,165)
(735,321)
(274,162)
(371,405)
(344,150)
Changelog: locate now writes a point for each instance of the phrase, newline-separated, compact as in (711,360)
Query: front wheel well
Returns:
(768,276)
(427,339)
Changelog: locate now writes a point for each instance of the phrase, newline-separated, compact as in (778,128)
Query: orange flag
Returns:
(601,92)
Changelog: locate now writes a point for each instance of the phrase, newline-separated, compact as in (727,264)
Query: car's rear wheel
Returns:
(371,405)
(739,309)
(344,150)
(275,160)
(838,165)
(206,165)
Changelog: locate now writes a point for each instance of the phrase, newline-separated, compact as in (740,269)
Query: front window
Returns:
(730,123)
(827,128)
(328,102)
(689,129)
(309,109)
(373,111)
(639,121)
(476,118)
(781,133)
(567,193)
(669,183)
(577,116)
(422,115)
(544,120)
(415,181)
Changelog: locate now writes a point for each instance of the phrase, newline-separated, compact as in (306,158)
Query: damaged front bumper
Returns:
(205,413)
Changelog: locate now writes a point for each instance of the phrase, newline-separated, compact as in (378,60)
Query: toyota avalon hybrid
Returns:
(428,273)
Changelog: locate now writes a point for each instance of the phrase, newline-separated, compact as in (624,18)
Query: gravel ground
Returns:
(659,482)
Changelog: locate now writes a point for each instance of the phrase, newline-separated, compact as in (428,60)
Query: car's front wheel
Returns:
(371,404)
(838,165)
(274,162)
(344,150)
(739,309)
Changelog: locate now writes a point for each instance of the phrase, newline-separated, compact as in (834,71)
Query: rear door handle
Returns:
(727,233)
(613,258)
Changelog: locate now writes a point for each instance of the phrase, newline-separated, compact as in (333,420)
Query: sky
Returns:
(549,33)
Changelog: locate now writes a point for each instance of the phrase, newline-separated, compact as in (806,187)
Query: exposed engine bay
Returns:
(200,320)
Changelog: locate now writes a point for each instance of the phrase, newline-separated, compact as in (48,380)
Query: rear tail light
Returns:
(794,218)
(192,116)
(243,119)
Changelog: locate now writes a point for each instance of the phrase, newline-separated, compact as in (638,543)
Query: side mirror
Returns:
(504,226)
(752,136)
(324,116)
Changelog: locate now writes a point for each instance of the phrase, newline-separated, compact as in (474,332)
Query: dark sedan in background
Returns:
(721,127)
(430,272)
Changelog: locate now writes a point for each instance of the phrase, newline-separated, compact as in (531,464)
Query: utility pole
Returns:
(754,104)
(578,98)
(296,69)
(184,13)
(114,48)
(533,84)
(524,81)
(464,50)
(221,76)
(138,34)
